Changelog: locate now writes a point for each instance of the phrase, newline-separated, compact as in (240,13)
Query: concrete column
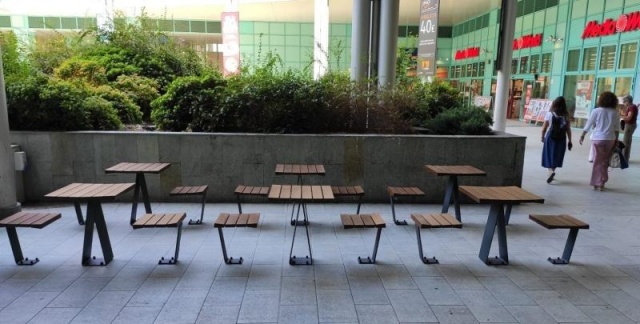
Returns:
(8,203)
(508,19)
(361,19)
(320,38)
(389,11)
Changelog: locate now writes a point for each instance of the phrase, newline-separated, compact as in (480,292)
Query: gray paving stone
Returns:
(330,277)
(368,290)
(11,289)
(219,314)
(559,308)
(153,292)
(336,306)
(530,314)
(410,306)
(24,308)
(298,314)
(265,277)
(226,291)
(437,291)
(606,314)
(55,315)
(79,293)
(395,277)
(575,292)
(506,292)
(454,315)
(183,306)
(382,314)
(298,291)
(137,314)
(623,302)
(259,306)
(104,307)
(484,306)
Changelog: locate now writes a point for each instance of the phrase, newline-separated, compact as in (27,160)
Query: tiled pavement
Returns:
(601,285)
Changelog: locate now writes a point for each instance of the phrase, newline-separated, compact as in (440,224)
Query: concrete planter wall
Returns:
(225,160)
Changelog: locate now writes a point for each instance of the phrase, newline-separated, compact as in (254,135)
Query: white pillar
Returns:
(388,46)
(321,38)
(8,202)
(508,18)
(361,20)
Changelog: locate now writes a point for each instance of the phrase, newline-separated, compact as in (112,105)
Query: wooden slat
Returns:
(242,220)
(311,169)
(320,169)
(296,192)
(274,193)
(64,190)
(279,168)
(357,221)
(347,222)
(221,220)
(233,219)
(435,220)
(327,193)
(316,193)
(254,218)
(304,169)
(306,193)
(404,191)
(455,170)
(288,168)
(368,222)
(502,194)
(559,221)
(239,189)
(378,220)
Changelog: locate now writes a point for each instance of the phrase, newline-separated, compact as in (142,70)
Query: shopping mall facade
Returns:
(571,48)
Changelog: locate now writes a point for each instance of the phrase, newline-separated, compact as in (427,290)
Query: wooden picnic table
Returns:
(301,195)
(498,197)
(141,185)
(451,192)
(299,170)
(93,194)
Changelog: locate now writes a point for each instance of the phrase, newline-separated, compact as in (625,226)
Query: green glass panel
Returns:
(573,60)
(595,7)
(338,30)
(292,28)
(214,27)
(165,25)
(540,5)
(306,29)
(182,26)
(306,40)
(246,39)
(52,22)
(276,28)
(607,57)
(292,41)
(276,40)
(538,19)
(261,27)
(529,6)
(415,30)
(402,31)
(527,24)
(628,56)
(5,21)
(579,9)
(520,9)
(613,4)
(546,63)
(292,53)
(552,3)
(246,27)
(69,23)
(198,27)
(36,22)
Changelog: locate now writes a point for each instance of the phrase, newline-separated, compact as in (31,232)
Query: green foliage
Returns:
(128,112)
(49,52)
(141,90)
(79,69)
(461,121)
(13,65)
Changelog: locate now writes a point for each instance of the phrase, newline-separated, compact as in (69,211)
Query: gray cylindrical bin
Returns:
(20,162)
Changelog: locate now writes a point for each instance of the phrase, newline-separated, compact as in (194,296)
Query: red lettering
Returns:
(633,21)
(591,30)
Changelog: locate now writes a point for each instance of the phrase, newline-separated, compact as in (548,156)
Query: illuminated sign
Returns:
(527,41)
(624,23)
(467,53)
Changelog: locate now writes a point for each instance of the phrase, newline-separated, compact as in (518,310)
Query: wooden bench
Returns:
(365,221)
(562,221)
(242,190)
(25,219)
(234,220)
(397,192)
(163,220)
(192,191)
(349,191)
(432,221)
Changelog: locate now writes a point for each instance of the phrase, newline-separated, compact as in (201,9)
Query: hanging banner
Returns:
(584,89)
(427,48)
(230,43)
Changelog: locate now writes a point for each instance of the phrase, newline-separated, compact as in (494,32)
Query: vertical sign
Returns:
(584,89)
(230,43)
(428,36)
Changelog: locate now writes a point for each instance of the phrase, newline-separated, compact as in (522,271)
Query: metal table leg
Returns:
(95,217)
(452,195)
(495,220)
(306,260)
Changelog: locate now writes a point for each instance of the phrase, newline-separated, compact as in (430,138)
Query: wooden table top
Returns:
(296,192)
(300,169)
(91,190)
(461,170)
(502,194)
(136,167)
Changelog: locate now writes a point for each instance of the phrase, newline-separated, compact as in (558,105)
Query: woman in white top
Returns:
(605,125)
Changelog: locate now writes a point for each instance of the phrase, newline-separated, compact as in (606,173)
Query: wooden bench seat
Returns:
(562,221)
(163,220)
(349,191)
(25,219)
(365,221)
(242,190)
(234,220)
(397,192)
(432,221)
(192,191)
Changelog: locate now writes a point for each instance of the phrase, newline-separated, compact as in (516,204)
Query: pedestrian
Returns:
(555,132)
(629,116)
(604,124)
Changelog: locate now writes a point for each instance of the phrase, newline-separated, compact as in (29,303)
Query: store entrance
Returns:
(515,99)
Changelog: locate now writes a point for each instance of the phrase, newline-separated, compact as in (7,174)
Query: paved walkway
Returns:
(601,285)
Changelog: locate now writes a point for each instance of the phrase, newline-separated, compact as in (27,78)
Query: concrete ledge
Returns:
(223,160)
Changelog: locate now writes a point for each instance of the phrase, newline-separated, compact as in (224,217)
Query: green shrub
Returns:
(141,90)
(101,113)
(461,121)
(77,69)
(127,110)
(13,64)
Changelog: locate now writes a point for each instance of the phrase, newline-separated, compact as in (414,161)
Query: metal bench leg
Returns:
(174,259)
(199,221)
(568,248)
(393,213)
(239,199)
(78,212)
(17,250)
(227,259)
(372,259)
(424,259)
(359,204)
(507,214)
(452,195)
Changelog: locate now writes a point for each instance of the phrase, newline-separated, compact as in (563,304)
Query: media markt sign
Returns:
(624,23)
(428,36)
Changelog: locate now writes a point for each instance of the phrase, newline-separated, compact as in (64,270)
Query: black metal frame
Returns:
(495,220)
(16,249)
(424,259)
(227,259)
(141,185)
(306,260)
(78,212)
(372,260)
(452,195)
(393,211)
(174,259)
(199,221)
(95,217)
(568,248)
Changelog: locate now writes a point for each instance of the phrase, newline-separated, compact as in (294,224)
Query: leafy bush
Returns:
(461,121)
(141,90)
(79,69)
(128,112)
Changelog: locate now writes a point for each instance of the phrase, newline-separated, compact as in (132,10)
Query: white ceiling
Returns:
(451,11)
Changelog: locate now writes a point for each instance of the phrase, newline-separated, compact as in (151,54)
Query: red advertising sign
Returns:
(230,43)
(467,53)
(624,23)
(527,41)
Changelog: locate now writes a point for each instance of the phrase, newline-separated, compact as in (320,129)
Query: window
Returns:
(533,65)
(573,60)
(607,57)
(514,66)
(628,56)
(481,69)
(623,86)
(589,59)
(523,64)
(546,63)
(470,70)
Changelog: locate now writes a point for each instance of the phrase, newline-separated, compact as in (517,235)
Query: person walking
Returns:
(555,132)
(629,116)
(605,125)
